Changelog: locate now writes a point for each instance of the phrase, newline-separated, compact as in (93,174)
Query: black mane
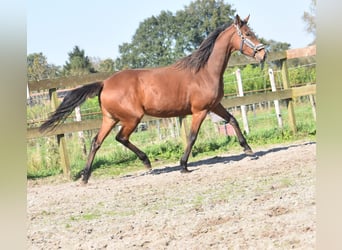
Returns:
(200,56)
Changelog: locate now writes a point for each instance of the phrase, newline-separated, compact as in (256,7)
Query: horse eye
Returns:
(248,34)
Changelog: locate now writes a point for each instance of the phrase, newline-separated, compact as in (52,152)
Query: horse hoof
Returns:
(84,182)
(249,152)
(185,171)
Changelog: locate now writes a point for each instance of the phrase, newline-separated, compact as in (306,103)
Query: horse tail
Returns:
(73,99)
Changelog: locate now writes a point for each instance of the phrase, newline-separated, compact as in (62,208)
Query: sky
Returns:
(99,27)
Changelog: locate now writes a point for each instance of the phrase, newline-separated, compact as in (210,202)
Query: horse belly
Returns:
(167,112)
(166,104)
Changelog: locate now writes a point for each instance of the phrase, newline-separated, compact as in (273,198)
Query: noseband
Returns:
(248,42)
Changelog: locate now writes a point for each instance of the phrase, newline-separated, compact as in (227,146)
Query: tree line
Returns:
(158,41)
(78,63)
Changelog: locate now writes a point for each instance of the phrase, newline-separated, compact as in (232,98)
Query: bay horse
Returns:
(193,85)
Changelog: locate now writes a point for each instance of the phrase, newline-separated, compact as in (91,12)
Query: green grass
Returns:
(113,159)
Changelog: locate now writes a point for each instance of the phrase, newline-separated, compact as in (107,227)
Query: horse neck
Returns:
(220,55)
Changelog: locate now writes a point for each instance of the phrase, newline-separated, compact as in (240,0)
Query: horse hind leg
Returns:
(123,137)
(222,112)
(242,140)
(106,127)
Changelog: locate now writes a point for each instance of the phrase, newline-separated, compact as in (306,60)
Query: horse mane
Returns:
(200,56)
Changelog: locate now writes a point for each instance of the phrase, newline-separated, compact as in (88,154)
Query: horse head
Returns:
(246,41)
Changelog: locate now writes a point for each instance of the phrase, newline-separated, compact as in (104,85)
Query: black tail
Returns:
(73,99)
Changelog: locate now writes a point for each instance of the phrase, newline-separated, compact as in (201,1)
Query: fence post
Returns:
(313,105)
(78,118)
(28,92)
(276,102)
(243,107)
(61,139)
(286,84)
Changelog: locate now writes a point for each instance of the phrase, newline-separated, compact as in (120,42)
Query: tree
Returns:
(106,65)
(161,40)
(39,69)
(198,20)
(78,64)
(274,46)
(101,65)
(152,43)
(310,19)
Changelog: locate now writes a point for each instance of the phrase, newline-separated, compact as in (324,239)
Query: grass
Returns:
(113,159)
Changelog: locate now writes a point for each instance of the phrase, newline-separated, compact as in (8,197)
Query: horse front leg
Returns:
(222,112)
(197,119)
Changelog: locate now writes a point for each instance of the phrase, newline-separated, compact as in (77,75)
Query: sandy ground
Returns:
(227,202)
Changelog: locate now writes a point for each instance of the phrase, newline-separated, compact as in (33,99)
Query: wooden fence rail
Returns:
(286,94)
(226,102)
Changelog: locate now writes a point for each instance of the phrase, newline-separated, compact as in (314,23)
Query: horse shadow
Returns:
(221,159)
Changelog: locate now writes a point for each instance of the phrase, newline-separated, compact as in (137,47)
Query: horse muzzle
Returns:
(260,55)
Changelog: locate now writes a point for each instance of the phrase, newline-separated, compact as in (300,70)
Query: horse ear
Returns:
(246,19)
(237,20)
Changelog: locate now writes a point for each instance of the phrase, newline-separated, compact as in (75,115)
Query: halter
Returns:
(248,42)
